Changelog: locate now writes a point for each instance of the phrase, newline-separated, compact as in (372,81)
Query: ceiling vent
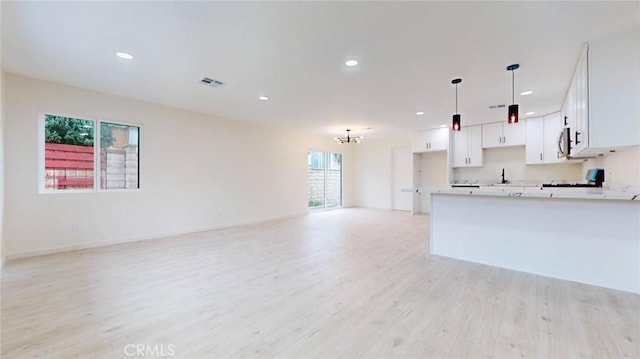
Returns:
(493,107)
(211,82)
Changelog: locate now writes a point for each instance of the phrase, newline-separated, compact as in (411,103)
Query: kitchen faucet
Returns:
(503,180)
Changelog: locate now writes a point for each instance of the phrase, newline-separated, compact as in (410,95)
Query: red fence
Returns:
(68,166)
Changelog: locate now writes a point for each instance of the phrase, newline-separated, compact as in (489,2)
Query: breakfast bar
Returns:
(590,237)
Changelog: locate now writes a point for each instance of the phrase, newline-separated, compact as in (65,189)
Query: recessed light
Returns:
(263,98)
(124,55)
(419,113)
(526,93)
(529,113)
(351,63)
(443,125)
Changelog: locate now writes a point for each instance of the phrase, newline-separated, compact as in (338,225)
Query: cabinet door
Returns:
(460,145)
(514,134)
(492,135)
(553,125)
(534,149)
(571,113)
(580,132)
(474,150)
(419,142)
(439,139)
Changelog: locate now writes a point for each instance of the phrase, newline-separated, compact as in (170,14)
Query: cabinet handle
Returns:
(504,139)
(565,120)
(577,134)
(540,156)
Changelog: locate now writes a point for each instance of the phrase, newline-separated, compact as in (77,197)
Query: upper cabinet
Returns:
(534,152)
(467,147)
(430,140)
(601,109)
(501,134)
(542,139)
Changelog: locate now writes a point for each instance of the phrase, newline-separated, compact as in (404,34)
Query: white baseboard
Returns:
(76,247)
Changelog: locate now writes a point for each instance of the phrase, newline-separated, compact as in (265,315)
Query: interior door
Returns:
(401,178)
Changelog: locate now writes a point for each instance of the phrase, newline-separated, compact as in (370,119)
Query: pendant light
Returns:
(513,108)
(456,117)
(348,138)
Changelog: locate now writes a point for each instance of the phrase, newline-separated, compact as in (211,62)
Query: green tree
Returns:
(74,131)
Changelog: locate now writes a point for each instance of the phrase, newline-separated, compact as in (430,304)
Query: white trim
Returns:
(150,237)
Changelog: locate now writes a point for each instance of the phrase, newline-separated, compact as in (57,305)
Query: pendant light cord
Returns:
(456,98)
(512,87)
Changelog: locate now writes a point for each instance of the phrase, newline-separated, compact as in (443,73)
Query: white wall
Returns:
(433,169)
(512,159)
(622,168)
(2,160)
(198,172)
(373,171)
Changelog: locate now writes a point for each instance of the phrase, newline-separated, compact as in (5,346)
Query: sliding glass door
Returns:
(324,171)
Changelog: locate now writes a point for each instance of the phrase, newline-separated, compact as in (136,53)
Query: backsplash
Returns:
(512,159)
(621,169)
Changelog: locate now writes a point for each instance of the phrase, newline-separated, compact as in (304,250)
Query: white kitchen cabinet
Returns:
(502,134)
(542,139)
(534,151)
(467,147)
(581,115)
(553,124)
(601,105)
(430,140)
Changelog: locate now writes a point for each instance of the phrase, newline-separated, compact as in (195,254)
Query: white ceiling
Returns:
(294,52)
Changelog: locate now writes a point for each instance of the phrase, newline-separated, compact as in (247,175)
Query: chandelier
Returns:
(348,139)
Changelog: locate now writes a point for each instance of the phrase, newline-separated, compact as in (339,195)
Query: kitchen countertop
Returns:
(535,192)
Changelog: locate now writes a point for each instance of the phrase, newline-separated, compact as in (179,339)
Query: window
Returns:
(71,161)
(325,182)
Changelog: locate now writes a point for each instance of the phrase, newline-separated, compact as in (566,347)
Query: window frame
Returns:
(96,154)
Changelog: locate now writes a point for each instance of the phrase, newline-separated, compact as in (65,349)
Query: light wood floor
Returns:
(350,283)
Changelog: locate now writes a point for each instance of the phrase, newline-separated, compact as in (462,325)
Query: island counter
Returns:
(591,238)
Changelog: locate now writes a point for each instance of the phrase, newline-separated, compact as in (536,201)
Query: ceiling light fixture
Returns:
(348,139)
(456,117)
(351,63)
(124,55)
(420,113)
(526,93)
(529,113)
(513,108)
(442,126)
(263,98)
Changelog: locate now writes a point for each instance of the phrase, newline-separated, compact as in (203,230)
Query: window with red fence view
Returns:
(69,153)
(70,161)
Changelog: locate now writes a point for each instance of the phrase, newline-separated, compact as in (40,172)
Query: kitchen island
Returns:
(585,236)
